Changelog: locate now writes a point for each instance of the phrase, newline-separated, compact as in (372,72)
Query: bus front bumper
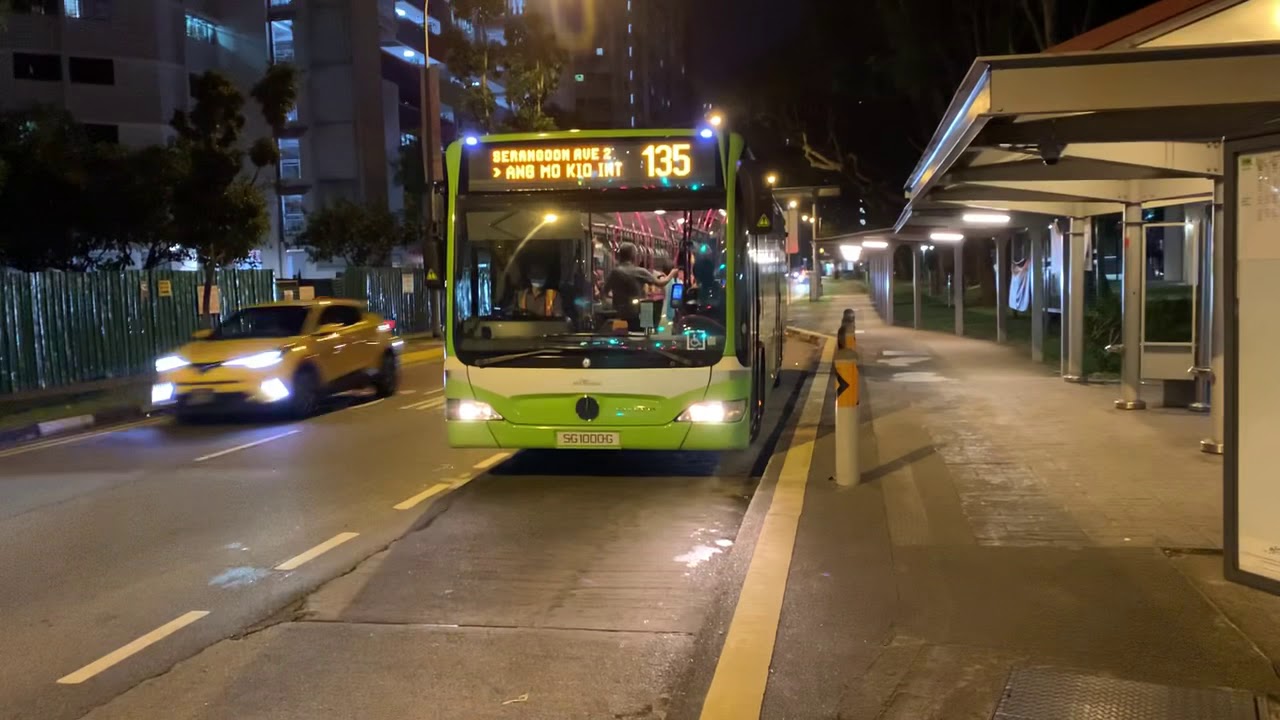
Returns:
(672,436)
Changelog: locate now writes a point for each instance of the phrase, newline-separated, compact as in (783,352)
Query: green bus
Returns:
(610,289)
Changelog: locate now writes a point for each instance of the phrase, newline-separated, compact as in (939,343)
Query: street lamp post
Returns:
(427,142)
(815,277)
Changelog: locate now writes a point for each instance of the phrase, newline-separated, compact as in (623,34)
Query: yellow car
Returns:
(287,355)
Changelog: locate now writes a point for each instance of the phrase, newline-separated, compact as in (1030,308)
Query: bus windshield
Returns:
(558,286)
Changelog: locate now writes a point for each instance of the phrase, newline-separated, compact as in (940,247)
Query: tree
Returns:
(474,58)
(362,235)
(128,205)
(218,214)
(534,63)
(45,152)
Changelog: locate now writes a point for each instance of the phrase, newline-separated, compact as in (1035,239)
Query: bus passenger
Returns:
(626,283)
(539,300)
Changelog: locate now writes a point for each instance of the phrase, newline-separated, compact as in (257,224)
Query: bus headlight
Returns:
(470,411)
(714,411)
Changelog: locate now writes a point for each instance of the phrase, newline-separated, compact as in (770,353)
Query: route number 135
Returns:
(668,159)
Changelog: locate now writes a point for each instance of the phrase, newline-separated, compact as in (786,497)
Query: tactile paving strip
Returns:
(1046,693)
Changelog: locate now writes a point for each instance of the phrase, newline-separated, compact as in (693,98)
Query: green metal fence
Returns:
(59,329)
(399,294)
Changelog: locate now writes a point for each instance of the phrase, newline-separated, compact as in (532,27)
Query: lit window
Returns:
(290,159)
(633,121)
(75,9)
(631,74)
(579,78)
(600,51)
(633,98)
(293,216)
(281,40)
(628,5)
(407,139)
(628,28)
(292,115)
(862,221)
(630,51)
(201,29)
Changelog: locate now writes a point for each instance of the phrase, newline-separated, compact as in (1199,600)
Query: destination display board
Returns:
(687,163)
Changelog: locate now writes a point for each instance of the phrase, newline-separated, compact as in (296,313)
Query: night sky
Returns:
(822,59)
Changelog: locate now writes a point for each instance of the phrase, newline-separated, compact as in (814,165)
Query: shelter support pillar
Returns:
(873,270)
(1131,300)
(1073,300)
(884,287)
(1217,340)
(957,286)
(1002,288)
(917,292)
(888,284)
(873,280)
(1200,221)
(1035,270)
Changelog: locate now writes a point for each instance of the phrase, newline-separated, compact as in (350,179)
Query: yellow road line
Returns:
(414,357)
(490,461)
(132,648)
(428,404)
(32,447)
(297,560)
(742,672)
(246,446)
(416,499)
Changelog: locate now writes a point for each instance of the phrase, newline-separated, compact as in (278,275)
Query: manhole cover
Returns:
(1043,693)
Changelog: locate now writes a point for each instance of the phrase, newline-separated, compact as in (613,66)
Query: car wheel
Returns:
(306,394)
(387,380)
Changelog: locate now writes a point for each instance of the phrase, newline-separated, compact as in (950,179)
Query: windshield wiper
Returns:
(673,357)
(499,359)
(577,349)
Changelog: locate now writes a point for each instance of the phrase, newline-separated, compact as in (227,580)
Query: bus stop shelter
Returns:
(1063,137)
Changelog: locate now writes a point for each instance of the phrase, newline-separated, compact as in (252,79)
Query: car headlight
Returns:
(170,362)
(274,389)
(161,393)
(714,411)
(470,411)
(258,361)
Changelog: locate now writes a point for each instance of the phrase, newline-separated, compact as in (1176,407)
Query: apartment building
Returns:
(122,67)
(627,65)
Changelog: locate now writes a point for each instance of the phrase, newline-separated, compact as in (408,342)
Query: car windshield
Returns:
(263,322)
(627,288)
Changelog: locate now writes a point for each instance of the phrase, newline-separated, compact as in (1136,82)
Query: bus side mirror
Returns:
(757,201)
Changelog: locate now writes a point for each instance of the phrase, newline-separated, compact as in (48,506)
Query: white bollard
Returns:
(847,420)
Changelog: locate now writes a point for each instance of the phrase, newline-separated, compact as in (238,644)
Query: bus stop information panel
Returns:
(1252,254)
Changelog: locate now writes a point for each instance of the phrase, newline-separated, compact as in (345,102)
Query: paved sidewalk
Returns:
(1006,520)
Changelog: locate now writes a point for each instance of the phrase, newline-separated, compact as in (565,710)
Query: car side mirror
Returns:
(201,334)
(328,329)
